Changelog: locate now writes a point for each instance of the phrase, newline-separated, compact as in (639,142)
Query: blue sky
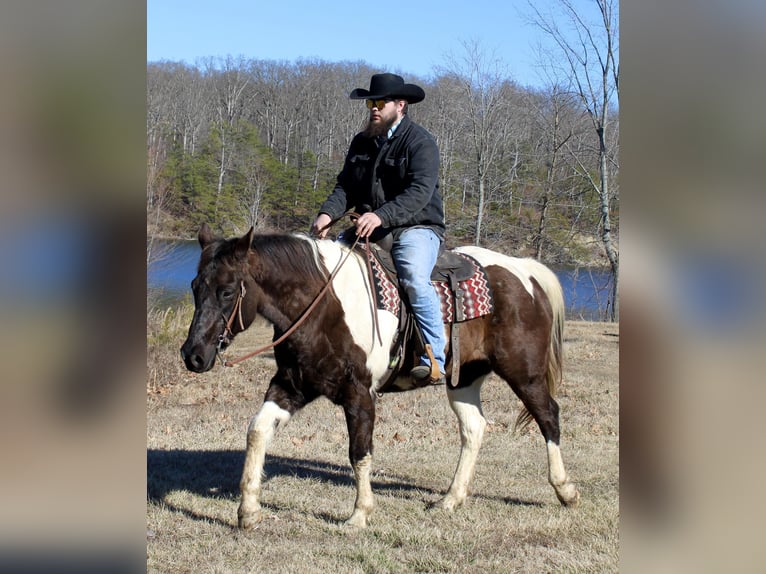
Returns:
(406,37)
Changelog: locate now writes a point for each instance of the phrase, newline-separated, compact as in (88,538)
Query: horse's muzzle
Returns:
(195,361)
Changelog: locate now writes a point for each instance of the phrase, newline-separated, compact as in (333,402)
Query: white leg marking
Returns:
(364,499)
(466,404)
(259,435)
(557,475)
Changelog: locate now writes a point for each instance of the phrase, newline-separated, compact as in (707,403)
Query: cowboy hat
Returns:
(389,86)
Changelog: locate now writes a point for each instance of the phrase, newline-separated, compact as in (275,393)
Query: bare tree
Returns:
(481,81)
(437,113)
(551,112)
(587,59)
(230,83)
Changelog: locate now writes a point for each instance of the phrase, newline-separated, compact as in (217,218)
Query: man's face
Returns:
(381,119)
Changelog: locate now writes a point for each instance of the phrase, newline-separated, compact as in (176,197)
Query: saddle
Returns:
(464,293)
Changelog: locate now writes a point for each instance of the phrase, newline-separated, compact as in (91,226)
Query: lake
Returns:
(169,275)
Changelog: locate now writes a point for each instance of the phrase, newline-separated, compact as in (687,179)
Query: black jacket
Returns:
(398,179)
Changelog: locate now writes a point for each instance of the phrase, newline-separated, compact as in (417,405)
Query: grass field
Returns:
(512,522)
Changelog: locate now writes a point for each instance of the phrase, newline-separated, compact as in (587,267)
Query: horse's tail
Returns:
(552,287)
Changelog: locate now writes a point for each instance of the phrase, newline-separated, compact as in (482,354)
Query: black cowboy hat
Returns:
(389,86)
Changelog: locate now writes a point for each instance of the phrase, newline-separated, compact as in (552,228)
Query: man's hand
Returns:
(321,225)
(367,223)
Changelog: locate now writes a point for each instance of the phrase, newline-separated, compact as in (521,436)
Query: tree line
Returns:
(241,142)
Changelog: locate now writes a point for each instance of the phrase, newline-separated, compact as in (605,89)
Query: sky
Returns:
(411,38)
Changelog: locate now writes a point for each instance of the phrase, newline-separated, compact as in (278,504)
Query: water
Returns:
(171,270)
(169,275)
(587,292)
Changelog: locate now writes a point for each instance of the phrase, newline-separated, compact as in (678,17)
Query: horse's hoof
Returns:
(356,521)
(571,501)
(248,520)
(446,503)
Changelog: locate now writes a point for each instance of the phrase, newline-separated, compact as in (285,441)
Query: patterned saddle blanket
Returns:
(460,281)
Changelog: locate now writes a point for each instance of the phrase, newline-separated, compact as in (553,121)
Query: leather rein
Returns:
(236,312)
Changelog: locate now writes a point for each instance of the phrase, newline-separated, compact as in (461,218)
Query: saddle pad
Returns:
(475,294)
(386,293)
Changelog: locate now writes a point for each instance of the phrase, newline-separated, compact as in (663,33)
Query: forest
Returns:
(239,142)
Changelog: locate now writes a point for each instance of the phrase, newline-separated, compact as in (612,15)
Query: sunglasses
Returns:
(380,104)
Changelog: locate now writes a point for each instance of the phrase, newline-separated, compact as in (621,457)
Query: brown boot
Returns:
(422,376)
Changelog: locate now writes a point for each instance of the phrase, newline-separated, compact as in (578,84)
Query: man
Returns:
(391,177)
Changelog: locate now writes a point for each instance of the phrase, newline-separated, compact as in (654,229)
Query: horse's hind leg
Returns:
(466,404)
(259,435)
(545,411)
(566,491)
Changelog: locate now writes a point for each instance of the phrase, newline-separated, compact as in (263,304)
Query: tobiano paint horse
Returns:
(342,349)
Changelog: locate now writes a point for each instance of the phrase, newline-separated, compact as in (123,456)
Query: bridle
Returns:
(227,335)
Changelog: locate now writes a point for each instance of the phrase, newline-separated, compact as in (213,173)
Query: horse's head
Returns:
(220,307)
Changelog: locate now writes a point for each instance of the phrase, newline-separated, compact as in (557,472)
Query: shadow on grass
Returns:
(216,474)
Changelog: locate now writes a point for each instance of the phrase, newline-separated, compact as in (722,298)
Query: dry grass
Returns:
(512,523)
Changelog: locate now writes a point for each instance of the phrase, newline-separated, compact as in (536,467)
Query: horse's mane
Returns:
(294,255)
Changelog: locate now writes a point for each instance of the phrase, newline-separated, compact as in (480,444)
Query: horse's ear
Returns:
(205,235)
(244,243)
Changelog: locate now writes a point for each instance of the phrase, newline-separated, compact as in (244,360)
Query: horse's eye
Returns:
(226,294)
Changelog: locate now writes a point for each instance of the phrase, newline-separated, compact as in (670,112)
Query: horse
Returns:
(341,349)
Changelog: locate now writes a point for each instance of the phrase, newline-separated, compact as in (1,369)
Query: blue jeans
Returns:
(414,255)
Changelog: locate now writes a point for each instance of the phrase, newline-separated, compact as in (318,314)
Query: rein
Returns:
(227,335)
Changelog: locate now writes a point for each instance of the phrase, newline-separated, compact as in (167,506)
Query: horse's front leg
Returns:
(259,434)
(466,404)
(360,420)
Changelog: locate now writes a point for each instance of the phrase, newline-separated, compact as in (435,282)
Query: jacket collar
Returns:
(402,126)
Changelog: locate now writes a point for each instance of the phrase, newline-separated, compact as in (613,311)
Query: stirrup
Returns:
(422,376)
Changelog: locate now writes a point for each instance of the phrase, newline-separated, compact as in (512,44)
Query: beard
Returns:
(380,128)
